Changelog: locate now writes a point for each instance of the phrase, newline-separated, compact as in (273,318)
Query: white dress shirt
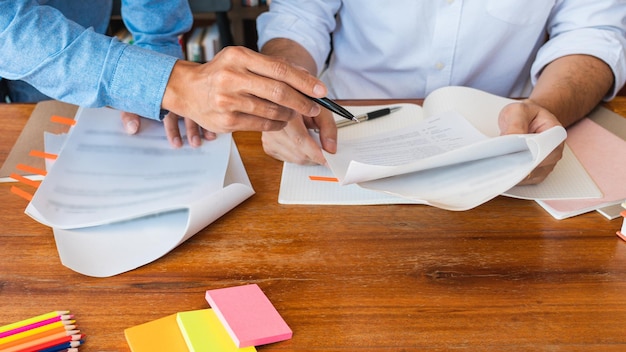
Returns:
(408,48)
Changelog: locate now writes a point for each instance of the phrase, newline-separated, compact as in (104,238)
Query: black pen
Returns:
(370,116)
(334,107)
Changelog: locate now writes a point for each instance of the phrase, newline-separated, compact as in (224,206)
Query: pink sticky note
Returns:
(248,315)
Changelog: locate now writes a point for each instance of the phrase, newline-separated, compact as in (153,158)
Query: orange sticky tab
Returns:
(30,169)
(21,193)
(63,120)
(25,180)
(40,154)
(323,178)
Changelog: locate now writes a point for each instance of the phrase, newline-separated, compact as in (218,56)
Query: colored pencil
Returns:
(47,341)
(38,337)
(64,318)
(57,348)
(36,333)
(32,320)
(57,342)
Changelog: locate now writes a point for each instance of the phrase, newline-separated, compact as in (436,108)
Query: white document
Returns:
(447,154)
(116,202)
(316,184)
(452,187)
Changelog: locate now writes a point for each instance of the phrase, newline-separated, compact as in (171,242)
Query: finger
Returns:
(328,131)
(278,81)
(277,145)
(238,121)
(208,135)
(292,144)
(515,118)
(542,171)
(170,123)
(193,133)
(302,142)
(130,122)
(281,70)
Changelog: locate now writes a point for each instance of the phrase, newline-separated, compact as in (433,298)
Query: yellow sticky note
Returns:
(203,332)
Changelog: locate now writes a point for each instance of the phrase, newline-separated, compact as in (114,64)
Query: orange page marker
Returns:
(40,154)
(63,120)
(323,178)
(21,193)
(25,180)
(30,169)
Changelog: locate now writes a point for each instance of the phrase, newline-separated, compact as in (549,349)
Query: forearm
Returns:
(292,52)
(571,86)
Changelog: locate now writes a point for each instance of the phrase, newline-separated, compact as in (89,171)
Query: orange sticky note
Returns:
(63,120)
(158,335)
(22,193)
(323,178)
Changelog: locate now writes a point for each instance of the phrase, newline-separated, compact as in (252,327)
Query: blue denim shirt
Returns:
(58,46)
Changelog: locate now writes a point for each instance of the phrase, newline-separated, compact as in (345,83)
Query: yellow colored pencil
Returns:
(32,320)
(19,346)
(36,333)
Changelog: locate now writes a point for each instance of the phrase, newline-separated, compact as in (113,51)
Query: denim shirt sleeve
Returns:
(157,27)
(77,65)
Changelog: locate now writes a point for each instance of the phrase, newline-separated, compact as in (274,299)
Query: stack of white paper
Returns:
(117,201)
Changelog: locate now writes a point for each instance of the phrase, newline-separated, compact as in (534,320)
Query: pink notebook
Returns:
(603,155)
(248,315)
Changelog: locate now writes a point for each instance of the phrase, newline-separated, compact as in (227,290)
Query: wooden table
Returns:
(503,276)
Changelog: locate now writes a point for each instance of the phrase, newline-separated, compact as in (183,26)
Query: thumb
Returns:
(515,118)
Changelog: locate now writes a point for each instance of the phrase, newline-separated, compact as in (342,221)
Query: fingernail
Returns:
(315,110)
(330,145)
(196,141)
(131,127)
(176,142)
(210,136)
(319,90)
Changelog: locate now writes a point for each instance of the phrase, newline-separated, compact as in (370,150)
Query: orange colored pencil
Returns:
(37,332)
(20,346)
(74,339)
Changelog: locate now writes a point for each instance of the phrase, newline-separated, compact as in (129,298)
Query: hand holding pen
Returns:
(334,107)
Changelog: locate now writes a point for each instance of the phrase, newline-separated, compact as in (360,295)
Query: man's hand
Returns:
(132,122)
(241,90)
(528,117)
(294,143)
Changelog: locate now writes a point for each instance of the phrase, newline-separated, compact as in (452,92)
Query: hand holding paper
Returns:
(448,154)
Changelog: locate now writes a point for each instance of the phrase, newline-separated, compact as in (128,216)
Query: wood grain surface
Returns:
(504,276)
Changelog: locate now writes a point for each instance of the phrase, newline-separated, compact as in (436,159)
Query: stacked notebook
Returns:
(239,319)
